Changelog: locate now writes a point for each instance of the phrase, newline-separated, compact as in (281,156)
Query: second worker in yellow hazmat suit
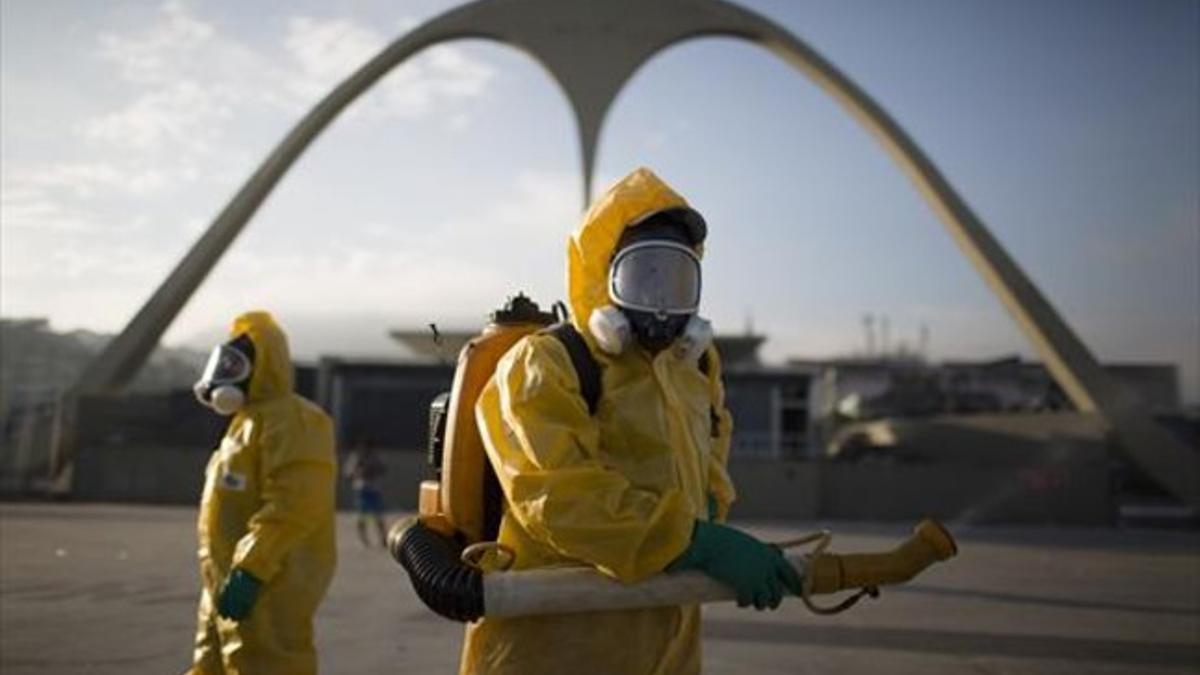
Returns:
(266,526)
(634,488)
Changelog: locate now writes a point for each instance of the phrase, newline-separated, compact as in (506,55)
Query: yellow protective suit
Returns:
(268,507)
(619,490)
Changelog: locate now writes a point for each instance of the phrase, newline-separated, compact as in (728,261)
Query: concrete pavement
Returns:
(112,589)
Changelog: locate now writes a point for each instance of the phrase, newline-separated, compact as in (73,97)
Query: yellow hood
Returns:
(272,375)
(590,249)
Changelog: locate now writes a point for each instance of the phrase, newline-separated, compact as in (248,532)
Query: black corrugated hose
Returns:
(443,582)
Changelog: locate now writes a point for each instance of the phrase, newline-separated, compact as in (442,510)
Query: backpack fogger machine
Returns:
(459,571)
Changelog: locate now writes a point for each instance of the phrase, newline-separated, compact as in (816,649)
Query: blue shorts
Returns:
(370,501)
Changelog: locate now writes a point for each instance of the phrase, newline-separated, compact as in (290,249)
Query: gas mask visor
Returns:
(222,384)
(226,365)
(658,277)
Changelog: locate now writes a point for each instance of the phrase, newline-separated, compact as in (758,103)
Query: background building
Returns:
(918,437)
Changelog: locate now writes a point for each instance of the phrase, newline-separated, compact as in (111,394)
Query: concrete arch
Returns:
(591,49)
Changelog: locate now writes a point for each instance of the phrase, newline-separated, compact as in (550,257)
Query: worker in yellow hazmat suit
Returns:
(266,525)
(633,488)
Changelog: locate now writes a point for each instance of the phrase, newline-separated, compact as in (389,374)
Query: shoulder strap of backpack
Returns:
(585,364)
(714,420)
(588,370)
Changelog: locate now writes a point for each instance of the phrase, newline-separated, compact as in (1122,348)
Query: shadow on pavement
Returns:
(1042,600)
(963,643)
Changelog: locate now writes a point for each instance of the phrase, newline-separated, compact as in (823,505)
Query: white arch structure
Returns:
(592,48)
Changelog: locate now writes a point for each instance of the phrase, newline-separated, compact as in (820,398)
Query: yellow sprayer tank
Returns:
(466,500)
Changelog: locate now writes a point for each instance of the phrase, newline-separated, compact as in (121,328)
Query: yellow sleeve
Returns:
(542,443)
(298,486)
(720,485)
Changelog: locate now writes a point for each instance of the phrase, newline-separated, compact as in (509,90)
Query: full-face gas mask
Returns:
(224,384)
(654,284)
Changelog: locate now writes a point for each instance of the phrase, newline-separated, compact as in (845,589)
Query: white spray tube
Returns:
(582,589)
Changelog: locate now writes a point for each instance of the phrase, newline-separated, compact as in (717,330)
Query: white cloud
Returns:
(191,79)
(153,56)
(186,89)
(458,123)
(328,50)
(539,207)
(180,115)
(26,207)
(451,273)
(541,202)
(123,261)
(190,82)
(187,81)
(47,210)
(85,179)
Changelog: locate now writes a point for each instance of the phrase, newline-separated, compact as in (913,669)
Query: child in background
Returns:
(364,469)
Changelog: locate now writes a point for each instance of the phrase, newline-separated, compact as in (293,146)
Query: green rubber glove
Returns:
(757,572)
(237,595)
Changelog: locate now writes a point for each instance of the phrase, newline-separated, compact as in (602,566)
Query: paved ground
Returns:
(111,589)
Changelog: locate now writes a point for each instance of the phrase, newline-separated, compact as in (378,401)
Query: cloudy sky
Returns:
(1070,127)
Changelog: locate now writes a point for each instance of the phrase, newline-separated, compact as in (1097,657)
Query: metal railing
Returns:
(766,445)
